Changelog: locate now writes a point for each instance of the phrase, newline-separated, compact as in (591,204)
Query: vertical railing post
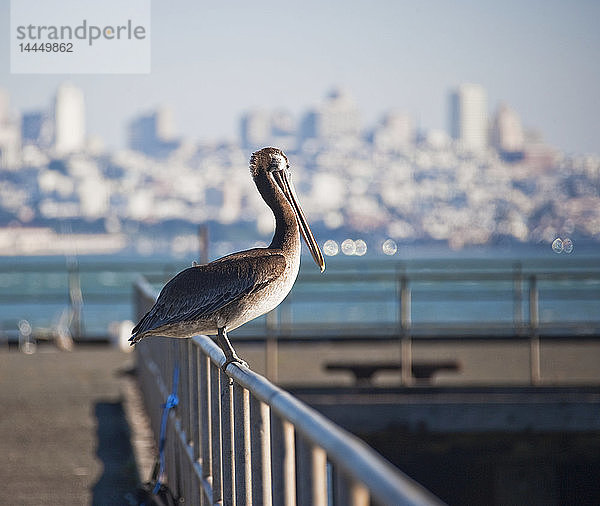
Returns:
(174,480)
(215,409)
(184,374)
(228,442)
(260,428)
(195,400)
(349,492)
(285,316)
(303,472)
(319,472)
(283,461)
(241,420)
(271,351)
(312,474)
(534,336)
(518,299)
(205,417)
(405,328)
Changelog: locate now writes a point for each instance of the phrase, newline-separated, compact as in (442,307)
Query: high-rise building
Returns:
(4,107)
(468,117)
(507,134)
(69,119)
(10,135)
(337,117)
(395,133)
(153,133)
(259,128)
(36,129)
(255,129)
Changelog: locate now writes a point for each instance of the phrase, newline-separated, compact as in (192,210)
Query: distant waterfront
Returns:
(35,241)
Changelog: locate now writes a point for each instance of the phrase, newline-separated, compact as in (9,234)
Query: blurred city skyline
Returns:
(486,180)
(59,128)
(212,64)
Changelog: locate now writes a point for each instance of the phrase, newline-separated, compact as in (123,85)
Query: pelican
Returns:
(218,297)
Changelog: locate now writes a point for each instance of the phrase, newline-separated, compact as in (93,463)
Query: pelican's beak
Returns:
(287,187)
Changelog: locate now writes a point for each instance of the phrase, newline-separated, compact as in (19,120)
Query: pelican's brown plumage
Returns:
(220,296)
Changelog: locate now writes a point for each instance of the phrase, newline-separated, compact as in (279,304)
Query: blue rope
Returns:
(172,401)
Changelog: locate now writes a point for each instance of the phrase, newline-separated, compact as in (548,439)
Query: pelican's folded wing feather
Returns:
(199,291)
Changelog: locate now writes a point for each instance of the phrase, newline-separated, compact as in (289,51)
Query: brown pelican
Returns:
(220,296)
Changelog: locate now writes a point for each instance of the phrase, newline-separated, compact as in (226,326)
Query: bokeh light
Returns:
(331,248)
(557,245)
(562,246)
(348,247)
(389,247)
(360,247)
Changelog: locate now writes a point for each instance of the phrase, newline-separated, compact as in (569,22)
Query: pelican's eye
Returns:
(278,163)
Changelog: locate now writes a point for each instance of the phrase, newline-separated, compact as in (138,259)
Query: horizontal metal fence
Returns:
(439,300)
(454,301)
(236,439)
(95,292)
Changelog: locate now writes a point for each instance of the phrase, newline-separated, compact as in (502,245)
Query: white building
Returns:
(10,135)
(395,133)
(154,133)
(256,129)
(37,129)
(259,128)
(69,119)
(507,131)
(337,117)
(468,117)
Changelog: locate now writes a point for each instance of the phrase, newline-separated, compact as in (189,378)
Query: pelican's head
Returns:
(268,160)
(274,163)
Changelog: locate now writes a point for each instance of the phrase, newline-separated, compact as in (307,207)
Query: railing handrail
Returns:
(208,409)
(357,459)
(519,283)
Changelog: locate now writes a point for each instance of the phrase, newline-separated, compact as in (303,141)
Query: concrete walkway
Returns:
(65,428)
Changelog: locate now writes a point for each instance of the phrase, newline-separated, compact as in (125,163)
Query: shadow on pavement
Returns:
(119,479)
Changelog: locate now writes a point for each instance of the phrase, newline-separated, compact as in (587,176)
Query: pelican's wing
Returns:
(202,290)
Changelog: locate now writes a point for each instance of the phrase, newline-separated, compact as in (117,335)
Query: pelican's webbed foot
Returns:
(231,360)
(230,354)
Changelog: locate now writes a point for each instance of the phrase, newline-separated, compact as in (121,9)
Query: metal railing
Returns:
(432,299)
(535,302)
(82,296)
(237,439)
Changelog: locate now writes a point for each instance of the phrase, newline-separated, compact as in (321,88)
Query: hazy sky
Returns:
(211,61)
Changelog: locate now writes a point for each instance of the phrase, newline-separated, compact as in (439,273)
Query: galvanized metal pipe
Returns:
(205,416)
(240,446)
(227,431)
(241,416)
(534,339)
(283,461)
(260,443)
(195,400)
(215,410)
(363,464)
(304,481)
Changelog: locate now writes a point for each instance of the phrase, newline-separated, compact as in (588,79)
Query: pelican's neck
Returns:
(287,236)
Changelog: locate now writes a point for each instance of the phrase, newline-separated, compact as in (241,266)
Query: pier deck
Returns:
(64,435)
